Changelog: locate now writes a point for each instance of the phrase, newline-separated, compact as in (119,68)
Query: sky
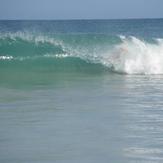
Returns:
(80,9)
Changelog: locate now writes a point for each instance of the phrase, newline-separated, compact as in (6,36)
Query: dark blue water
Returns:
(135,27)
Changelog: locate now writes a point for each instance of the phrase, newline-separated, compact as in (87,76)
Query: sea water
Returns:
(81,91)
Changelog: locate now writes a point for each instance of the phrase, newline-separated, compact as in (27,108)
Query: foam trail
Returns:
(6,57)
(134,56)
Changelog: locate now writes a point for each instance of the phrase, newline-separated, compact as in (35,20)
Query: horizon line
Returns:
(73,19)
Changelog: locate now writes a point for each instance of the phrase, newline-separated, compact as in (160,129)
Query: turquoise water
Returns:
(81,91)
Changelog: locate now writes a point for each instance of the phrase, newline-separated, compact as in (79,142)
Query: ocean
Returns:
(85,91)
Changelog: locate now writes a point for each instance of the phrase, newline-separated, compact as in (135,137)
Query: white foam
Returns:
(6,57)
(56,55)
(135,56)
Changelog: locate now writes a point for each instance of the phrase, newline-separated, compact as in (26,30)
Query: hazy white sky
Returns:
(80,9)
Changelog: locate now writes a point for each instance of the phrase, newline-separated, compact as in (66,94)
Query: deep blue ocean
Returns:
(81,91)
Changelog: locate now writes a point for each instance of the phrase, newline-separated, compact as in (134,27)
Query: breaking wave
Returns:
(135,56)
(119,54)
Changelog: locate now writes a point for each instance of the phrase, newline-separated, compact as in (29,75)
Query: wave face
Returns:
(119,54)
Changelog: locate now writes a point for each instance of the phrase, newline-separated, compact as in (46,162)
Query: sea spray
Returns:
(135,56)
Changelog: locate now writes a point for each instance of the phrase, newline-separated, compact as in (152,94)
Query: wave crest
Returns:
(128,55)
